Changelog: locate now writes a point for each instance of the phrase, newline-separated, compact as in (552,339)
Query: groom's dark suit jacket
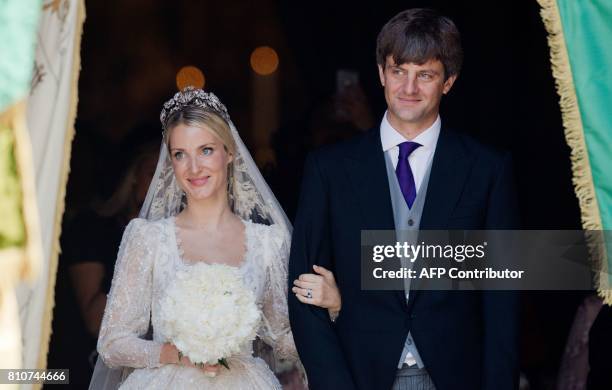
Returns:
(467,340)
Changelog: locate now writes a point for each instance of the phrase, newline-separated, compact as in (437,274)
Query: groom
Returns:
(410,173)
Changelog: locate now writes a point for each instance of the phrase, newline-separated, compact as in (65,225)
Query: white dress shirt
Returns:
(419,159)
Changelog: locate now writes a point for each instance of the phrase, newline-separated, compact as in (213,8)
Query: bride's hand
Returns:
(210,370)
(322,287)
(170,355)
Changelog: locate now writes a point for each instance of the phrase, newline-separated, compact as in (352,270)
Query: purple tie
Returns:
(404,173)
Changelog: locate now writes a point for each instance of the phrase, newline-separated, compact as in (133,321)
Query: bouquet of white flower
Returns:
(208,313)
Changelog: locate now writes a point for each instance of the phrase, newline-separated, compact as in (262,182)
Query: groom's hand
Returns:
(320,289)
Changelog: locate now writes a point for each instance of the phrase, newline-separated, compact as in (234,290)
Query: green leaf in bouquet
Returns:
(223,362)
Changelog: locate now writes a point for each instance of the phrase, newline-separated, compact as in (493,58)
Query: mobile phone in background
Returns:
(345,79)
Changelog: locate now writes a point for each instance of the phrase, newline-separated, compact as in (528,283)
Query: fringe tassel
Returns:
(574,135)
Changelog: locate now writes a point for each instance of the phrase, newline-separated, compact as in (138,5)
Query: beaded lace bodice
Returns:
(150,256)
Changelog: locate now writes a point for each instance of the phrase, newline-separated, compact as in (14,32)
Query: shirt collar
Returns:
(390,137)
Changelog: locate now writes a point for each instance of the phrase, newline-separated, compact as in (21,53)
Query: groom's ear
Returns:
(448,83)
(381,74)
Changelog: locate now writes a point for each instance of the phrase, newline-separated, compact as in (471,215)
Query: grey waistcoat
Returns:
(407,223)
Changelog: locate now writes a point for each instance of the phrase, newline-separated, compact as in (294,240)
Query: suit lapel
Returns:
(367,174)
(449,172)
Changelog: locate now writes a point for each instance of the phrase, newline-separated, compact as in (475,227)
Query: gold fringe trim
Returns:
(574,135)
(59,207)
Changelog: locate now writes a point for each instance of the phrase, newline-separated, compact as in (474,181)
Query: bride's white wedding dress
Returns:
(149,257)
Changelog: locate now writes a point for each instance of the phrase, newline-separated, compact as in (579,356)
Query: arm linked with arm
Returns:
(276,331)
(316,340)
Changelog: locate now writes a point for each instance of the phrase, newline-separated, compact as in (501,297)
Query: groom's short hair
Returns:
(418,35)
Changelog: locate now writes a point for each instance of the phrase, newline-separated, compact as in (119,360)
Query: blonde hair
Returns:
(208,120)
(201,117)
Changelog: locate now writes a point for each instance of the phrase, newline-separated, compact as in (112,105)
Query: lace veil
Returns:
(250,197)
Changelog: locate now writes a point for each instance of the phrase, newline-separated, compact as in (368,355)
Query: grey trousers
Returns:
(413,379)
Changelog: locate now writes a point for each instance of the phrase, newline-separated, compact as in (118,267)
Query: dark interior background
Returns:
(505,95)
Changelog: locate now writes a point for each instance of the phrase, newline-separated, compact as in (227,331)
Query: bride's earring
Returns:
(230,184)
(183,200)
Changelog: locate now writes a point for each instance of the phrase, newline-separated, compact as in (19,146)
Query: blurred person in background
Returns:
(92,260)
(89,242)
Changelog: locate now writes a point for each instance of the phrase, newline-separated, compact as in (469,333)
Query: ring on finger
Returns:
(309,293)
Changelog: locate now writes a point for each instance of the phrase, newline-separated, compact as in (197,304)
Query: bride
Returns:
(207,203)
